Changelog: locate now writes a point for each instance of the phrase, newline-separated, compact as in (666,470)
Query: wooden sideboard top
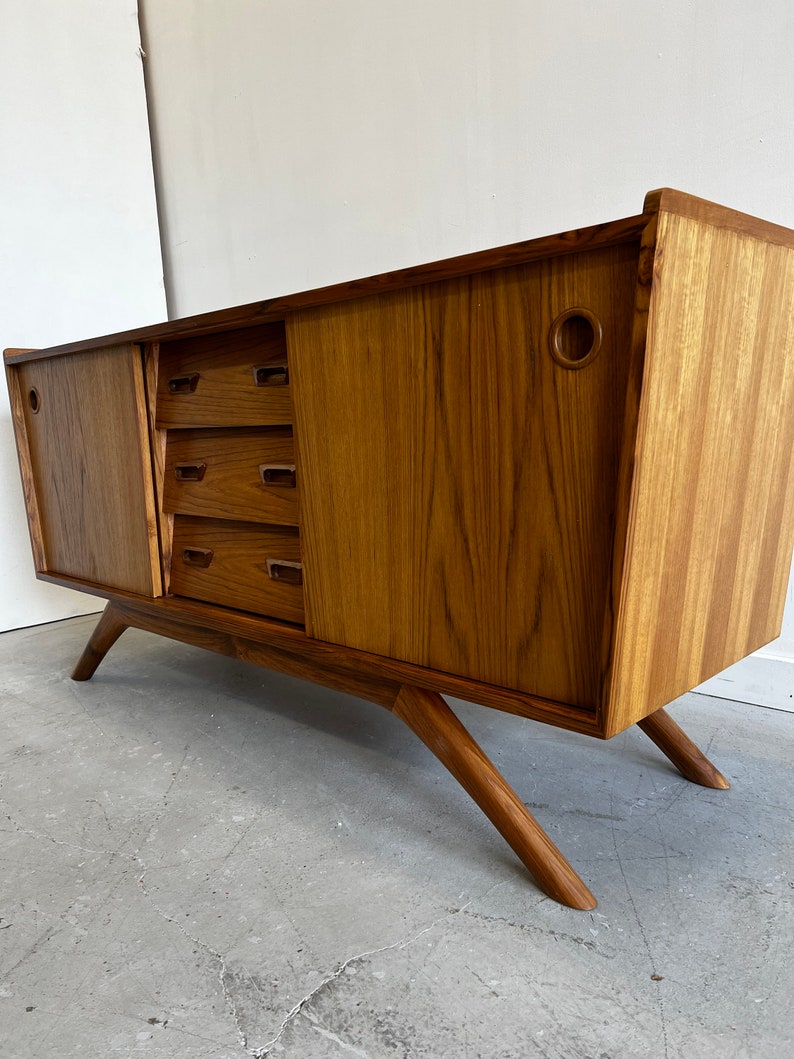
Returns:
(665,200)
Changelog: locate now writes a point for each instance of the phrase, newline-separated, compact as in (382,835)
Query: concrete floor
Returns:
(204,859)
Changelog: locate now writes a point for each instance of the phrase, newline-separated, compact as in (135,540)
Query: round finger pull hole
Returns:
(34,400)
(575,338)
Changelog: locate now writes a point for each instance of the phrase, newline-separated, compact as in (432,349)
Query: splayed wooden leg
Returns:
(108,629)
(691,762)
(426,713)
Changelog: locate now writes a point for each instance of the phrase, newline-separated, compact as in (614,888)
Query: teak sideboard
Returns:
(553,478)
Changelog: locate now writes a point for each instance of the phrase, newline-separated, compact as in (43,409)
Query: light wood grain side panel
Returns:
(711,213)
(458,485)
(91,467)
(712,521)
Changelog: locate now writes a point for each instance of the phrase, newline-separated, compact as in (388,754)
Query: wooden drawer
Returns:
(246,474)
(236,378)
(238,564)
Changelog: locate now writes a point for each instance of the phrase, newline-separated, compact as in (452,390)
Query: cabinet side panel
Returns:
(712,515)
(458,484)
(85,422)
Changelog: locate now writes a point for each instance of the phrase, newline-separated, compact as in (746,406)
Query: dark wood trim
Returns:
(274,309)
(668,200)
(35,530)
(345,661)
(364,686)
(676,745)
(108,629)
(429,717)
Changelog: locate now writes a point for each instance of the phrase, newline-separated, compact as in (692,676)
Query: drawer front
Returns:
(237,378)
(240,474)
(238,564)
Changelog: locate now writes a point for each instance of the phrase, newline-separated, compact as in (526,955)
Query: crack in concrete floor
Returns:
(223,973)
(297,1009)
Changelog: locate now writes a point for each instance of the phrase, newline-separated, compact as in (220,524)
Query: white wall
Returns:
(79,246)
(313,141)
(319,140)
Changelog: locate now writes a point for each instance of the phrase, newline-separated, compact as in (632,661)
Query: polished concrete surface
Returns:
(203,859)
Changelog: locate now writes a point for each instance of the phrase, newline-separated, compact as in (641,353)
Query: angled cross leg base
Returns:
(430,718)
(108,629)
(691,762)
(426,713)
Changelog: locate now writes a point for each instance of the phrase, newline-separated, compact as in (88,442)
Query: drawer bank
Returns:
(553,478)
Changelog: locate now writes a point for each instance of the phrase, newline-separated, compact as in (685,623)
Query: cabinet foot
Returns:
(429,717)
(108,629)
(691,762)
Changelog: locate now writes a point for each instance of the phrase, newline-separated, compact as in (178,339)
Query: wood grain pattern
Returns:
(319,654)
(157,443)
(226,393)
(459,485)
(711,525)
(108,629)
(642,301)
(171,618)
(232,485)
(90,462)
(237,575)
(35,529)
(714,215)
(690,761)
(433,721)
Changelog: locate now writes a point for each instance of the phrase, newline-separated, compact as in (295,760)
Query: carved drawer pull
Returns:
(184,383)
(273,375)
(278,474)
(284,570)
(197,556)
(189,472)
(575,338)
